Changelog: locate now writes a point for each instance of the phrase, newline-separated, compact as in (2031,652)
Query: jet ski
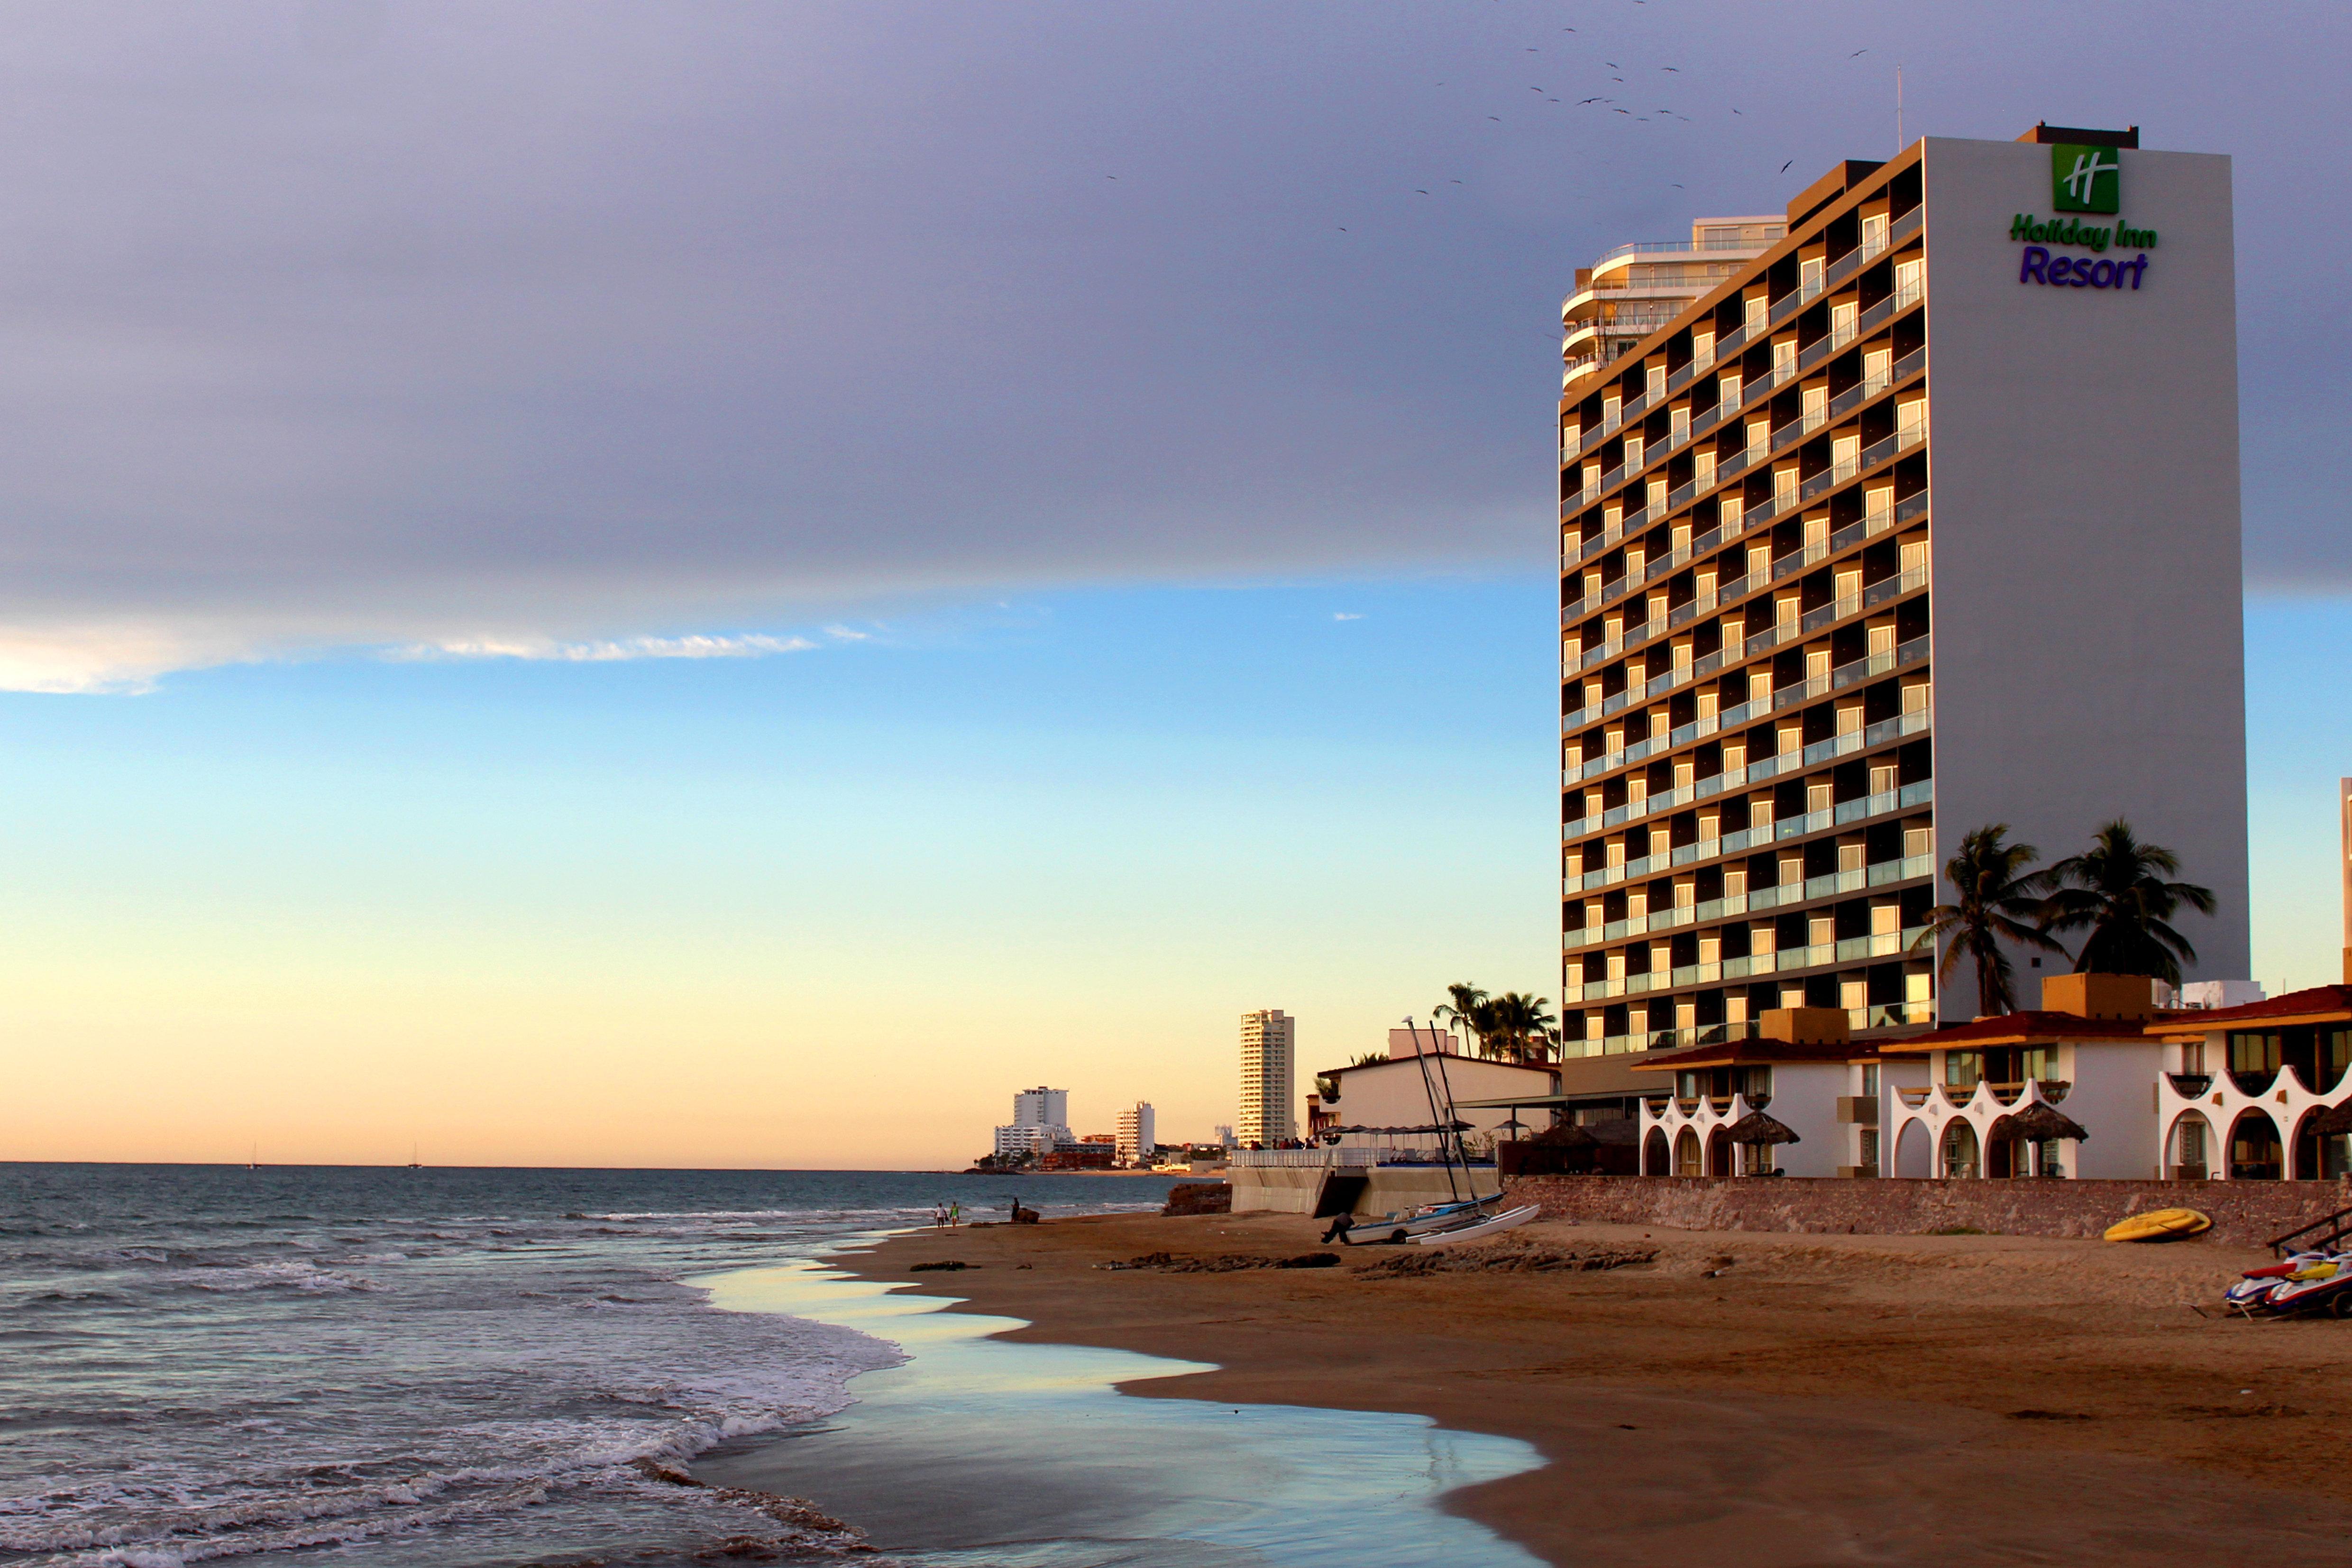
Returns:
(2301,1282)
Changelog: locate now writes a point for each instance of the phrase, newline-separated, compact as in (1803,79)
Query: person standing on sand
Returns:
(955,1214)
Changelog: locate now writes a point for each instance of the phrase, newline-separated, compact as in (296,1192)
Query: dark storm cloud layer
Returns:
(366,322)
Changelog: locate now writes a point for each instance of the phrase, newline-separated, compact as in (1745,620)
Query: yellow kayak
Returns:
(2159,1225)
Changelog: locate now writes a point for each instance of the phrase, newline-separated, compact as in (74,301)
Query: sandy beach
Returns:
(1782,1399)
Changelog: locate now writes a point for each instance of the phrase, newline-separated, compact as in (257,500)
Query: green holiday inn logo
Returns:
(2086,179)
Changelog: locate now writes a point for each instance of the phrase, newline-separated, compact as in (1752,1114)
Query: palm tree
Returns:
(1522,1028)
(2118,890)
(1996,897)
(1463,1010)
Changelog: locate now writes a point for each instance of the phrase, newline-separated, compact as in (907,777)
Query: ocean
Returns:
(452,1367)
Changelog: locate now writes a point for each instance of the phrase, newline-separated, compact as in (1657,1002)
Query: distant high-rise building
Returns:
(1040,1123)
(1041,1108)
(1138,1133)
(1267,1058)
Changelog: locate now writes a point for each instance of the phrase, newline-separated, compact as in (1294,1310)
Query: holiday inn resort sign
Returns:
(2082,180)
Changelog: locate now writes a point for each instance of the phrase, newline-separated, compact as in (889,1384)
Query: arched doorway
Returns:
(2256,1154)
(1719,1154)
(1654,1157)
(1686,1157)
(2004,1155)
(2189,1148)
(2318,1157)
(1914,1150)
(1962,1161)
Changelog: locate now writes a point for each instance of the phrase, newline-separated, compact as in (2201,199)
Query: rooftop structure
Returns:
(1636,288)
(1804,649)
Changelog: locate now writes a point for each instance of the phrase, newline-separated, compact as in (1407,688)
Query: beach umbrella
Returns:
(1567,1135)
(2038,1124)
(1759,1128)
(2331,1122)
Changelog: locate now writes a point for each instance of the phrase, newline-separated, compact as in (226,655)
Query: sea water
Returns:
(484,1368)
(411,1367)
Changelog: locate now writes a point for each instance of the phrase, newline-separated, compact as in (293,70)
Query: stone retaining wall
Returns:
(2245,1213)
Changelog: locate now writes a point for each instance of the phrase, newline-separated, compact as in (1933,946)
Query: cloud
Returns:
(756,645)
(1344,616)
(361,326)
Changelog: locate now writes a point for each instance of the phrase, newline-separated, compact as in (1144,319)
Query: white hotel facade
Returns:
(1912,511)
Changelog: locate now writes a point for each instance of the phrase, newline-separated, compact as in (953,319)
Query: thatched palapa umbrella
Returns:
(2039,1123)
(1759,1128)
(1567,1135)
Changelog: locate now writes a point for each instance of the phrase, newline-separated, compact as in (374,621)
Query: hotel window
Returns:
(1963,1069)
(1727,393)
(1907,279)
(1869,1150)
(2253,1052)
(1874,234)
(1809,275)
(1870,1080)
(2039,1064)
(1656,384)
(1757,310)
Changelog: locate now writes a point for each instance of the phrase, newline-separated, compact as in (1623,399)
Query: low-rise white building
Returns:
(1797,1067)
(1396,1091)
(2086,1054)
(2242,1086)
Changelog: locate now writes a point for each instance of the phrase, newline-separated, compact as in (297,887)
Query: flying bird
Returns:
(1496,118)
(1582,101)
(1857,53)
(1676,70)
(1419,191)
(1784,168)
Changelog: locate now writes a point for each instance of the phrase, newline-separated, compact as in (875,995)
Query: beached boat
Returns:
(2159,1224)
(1471,1230)
(1406,1224)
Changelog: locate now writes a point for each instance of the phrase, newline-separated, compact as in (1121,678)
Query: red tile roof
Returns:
(2029,1028)
(2320,1005)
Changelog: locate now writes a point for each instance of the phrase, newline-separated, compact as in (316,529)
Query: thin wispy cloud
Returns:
(608,651)
(1345,616)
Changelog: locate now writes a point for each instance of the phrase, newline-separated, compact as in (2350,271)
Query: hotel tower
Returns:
(1913,511)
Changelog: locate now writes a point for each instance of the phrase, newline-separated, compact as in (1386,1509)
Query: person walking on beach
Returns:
(955,1214)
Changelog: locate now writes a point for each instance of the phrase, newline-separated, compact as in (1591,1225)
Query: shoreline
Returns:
(1790,1399)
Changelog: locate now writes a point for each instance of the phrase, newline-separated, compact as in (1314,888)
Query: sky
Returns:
(729,584)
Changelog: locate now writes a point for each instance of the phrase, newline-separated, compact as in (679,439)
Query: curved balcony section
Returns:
(2256,1083)
(2315,1078)
(2190,1085)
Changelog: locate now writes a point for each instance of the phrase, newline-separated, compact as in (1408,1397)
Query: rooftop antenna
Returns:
(1898,108)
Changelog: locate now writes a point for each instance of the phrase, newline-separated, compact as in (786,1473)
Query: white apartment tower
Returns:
(1268,1056)
(1040,1124)
(1911,513)
(1139,1134)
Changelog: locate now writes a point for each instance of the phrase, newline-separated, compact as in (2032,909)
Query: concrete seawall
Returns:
(1388,1188)
(2243,1213)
